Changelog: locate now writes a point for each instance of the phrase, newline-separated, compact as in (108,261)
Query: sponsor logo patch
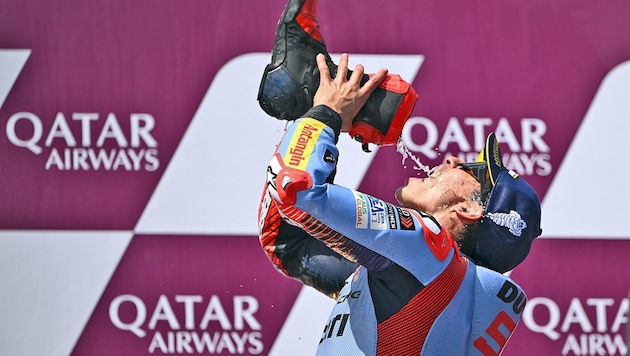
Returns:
(362,211)
(303,143)
(391,217)
(512,221)
(406,221)
(329,157)
(378,219)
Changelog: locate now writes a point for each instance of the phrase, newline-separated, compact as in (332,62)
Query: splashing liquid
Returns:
(404,151)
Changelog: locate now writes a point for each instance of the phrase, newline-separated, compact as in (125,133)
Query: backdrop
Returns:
(133,155)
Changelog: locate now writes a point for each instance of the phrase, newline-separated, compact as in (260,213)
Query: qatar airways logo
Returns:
(527,153)
(122,142)
(190,323)
(69,144)
(588,326)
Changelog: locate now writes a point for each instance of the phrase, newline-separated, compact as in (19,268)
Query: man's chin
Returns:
(398,196)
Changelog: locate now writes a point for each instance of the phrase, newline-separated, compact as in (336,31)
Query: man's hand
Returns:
(345,96)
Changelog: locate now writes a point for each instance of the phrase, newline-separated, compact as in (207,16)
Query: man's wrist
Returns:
(326,115)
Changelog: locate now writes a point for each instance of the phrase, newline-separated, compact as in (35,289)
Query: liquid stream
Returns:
(406,154)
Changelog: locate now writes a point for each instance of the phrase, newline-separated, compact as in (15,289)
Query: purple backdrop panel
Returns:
(207,294)
(577,298)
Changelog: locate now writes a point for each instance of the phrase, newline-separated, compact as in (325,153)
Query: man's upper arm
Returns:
(499,303)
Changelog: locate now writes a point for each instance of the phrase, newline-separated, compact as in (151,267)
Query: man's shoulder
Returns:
(493,283)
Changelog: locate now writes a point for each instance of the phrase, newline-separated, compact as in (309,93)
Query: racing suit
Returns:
(401,285)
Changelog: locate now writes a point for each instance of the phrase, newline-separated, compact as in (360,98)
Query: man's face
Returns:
(447,185)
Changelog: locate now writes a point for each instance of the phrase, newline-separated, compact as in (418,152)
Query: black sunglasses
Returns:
(478,170)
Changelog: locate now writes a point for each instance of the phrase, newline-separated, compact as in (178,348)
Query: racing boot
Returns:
(290,81)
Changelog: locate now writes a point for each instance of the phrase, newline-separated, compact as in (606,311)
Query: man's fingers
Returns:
(357,74)
(342,70)
(324,71)
(375,80)
(345,95)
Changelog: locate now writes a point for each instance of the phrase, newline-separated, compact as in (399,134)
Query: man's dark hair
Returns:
(468,241)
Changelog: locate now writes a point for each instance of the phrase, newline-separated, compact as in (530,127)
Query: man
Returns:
(420,278)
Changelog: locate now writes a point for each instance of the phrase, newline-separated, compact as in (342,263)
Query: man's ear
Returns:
(469,211)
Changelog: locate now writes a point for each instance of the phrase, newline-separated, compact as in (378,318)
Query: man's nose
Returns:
(452,161)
